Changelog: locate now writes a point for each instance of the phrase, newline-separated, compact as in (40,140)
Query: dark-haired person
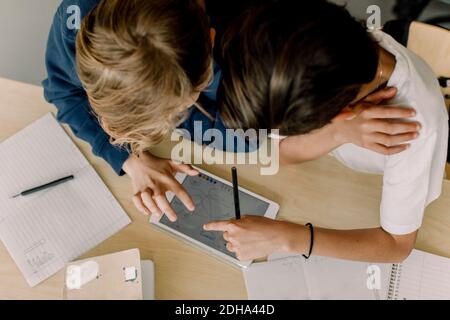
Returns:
(299,67)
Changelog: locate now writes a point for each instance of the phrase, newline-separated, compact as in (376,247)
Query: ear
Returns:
(212,34)
(346,114)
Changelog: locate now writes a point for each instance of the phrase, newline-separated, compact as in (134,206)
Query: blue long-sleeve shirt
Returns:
(64,89)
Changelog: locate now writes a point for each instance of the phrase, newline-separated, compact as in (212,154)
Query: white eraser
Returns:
(79,275)
(130,274)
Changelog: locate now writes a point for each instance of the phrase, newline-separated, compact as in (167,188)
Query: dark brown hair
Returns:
(293,65)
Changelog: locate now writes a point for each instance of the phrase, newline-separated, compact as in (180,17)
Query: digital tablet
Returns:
(213,198)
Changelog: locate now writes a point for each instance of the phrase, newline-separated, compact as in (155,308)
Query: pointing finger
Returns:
(217,226)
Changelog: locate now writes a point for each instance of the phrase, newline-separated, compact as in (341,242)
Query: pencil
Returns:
(237,209)
(45,186)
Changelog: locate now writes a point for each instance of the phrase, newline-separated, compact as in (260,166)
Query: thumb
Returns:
(347,115)
(216,226)
(379,96)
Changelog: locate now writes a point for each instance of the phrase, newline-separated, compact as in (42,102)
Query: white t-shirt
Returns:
(411,179)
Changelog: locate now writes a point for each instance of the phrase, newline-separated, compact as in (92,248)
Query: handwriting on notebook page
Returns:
(44,231)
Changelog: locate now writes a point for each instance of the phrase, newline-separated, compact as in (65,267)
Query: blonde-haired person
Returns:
(126,78)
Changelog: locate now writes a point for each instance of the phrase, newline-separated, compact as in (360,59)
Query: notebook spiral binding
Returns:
(394,281)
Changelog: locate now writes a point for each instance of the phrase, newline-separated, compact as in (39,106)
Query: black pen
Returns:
(237,209)
(44,186)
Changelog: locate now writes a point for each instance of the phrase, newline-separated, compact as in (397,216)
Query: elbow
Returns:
(289,155)
(287,159)
(284,161)
(402,246)
(401,254)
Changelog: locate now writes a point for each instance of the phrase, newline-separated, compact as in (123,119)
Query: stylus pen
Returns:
(237,209)
(44,186)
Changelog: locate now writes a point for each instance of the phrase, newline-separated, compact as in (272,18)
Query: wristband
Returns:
(311,230)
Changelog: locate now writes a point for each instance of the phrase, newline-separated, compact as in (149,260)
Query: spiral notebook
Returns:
(421,276)
(44,231)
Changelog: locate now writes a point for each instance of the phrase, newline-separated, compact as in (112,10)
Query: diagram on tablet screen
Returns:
(213,201)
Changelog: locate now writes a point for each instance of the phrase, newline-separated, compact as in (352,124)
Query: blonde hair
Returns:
(139,61)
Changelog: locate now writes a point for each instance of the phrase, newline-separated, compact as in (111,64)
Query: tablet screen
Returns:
(213,201)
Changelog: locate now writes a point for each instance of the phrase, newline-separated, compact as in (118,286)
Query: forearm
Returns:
(87,128)
(370,245)
(296,149)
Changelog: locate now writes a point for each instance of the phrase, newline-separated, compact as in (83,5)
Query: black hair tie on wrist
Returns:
(311,230)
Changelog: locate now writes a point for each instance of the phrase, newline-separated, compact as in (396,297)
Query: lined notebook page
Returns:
(287,276)
(44,231)
(424,276)
(281,279)
(336,279)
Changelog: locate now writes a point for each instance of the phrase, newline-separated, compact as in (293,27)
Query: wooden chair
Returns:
(429,42)
(432,44)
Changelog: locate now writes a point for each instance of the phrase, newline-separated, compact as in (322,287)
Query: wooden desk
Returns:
(323,192)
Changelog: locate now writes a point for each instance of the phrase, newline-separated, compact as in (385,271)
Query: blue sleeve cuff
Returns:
(115,156)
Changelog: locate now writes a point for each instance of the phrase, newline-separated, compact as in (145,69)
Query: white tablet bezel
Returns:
(271,213)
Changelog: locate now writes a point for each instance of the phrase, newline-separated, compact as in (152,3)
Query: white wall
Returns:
(24,26)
